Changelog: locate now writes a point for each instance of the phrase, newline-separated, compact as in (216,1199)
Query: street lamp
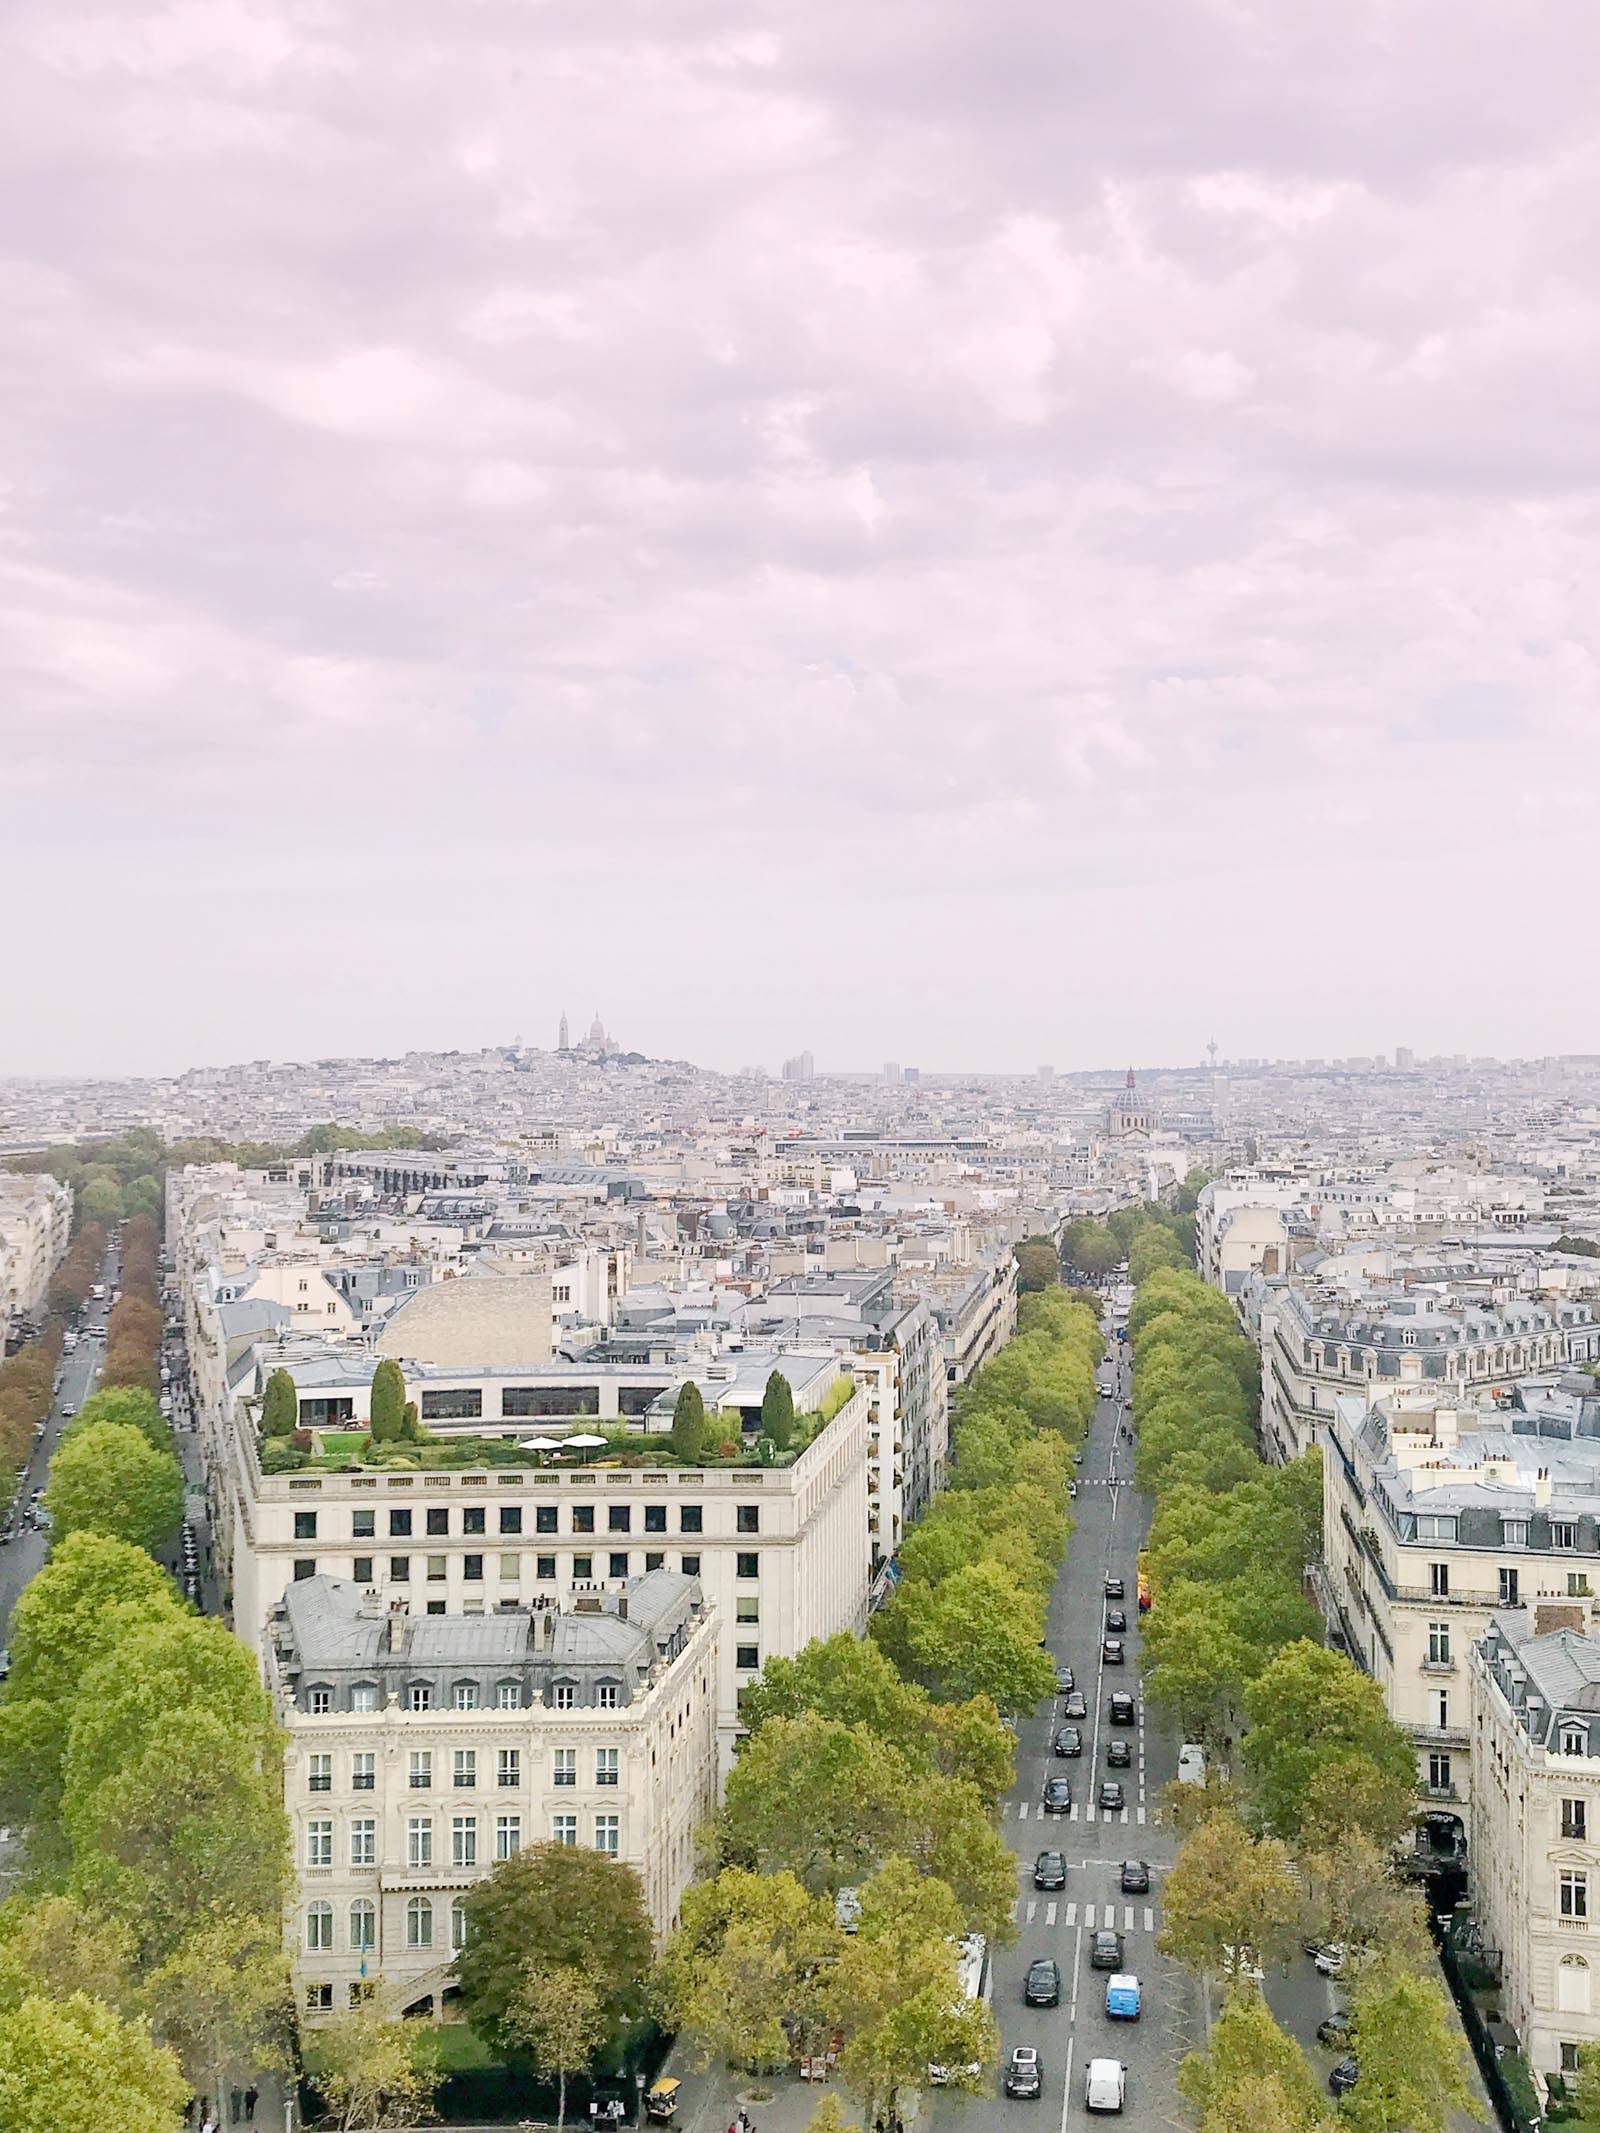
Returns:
(638,2098)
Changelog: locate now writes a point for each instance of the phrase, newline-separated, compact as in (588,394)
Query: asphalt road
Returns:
(1111,1522)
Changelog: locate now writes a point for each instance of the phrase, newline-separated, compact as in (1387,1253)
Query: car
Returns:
(1116,1618)
(68,1412)
(1066,1680)
(5,1662)
(1121,1708)
(1119,1754)
(1023,2074)
(1042,1985)
(1075,1707)
(1111,1795)
(1104,2085)
(1105,1949)
(1330,1960)
(1057,1796)
(1115,1589)
(1069,1741)
(1335,2031)
(1135,1878)
(1050,1870)
(1343,2076)
(1112,1653)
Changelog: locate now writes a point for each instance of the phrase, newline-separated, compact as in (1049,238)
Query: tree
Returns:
(101,1201)
(688,1423)
(129,1405)
(370,2071)
(977,1634)
(777,1411)
(556,2015)
(1038,1265)
(1414,2064)
(1253,2077)
(1351,1897)
(109,1478)
(578,1908)
(222,2001)
(53,1945)
(388,1402)
(66,2064)
(820,1800)
(1230,1900)
(1310,1707)
(280,1406)
(743,1972)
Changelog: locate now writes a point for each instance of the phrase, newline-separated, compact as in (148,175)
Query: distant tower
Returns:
(1211,1051)
(562,1042)
(597,1029)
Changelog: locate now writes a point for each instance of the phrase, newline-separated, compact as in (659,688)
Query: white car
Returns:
(1330,1960)
(1104,2085)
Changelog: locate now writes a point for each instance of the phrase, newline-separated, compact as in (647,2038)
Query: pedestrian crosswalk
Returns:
(1124,1917)
(1087,1812)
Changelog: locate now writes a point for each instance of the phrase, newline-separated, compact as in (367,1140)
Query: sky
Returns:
(985,534)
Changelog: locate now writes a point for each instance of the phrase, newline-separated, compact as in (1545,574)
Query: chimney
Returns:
(1548,1617)
(1541,1488)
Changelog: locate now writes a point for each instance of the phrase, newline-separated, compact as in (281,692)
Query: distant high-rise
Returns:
(891,1070)
(563,1043)
(800,1068)
(1404,1058)
(913,1073)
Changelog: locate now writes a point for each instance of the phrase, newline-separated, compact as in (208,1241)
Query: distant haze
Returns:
(912,530)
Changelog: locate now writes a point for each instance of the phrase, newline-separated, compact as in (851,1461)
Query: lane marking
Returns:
(1149,1919)
(1066,2088)
(1032,1912)
(1022,1812)
(1141,1815)
(1071,1918)
(1049,1914)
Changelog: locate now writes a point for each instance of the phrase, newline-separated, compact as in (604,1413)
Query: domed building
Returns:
(1129,1114)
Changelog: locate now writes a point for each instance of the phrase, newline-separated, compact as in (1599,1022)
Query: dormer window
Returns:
(465,1695)
(565,1695)
(420,1696)
(1574,1740)
(364,1696)
(319,1702)
(607,1695)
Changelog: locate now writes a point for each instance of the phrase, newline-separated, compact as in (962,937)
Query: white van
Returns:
(1191,1764)
(1103,2085)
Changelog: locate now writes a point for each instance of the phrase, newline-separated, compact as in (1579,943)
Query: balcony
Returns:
(1440,1736)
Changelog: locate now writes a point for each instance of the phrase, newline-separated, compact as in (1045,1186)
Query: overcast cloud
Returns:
(966,533)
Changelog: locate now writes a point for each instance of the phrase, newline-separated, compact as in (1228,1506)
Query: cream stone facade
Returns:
(35,1228)
(477,1319)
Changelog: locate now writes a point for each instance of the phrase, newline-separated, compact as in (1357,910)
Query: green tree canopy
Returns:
(1230,1900)
(109,1478)
(777,1410)
(280,1406)
(388,1402)
(1253,2077)
(1038,1265)
(1414,2066)
(977,1634)
(688,1422)
(746,1969)
(66,2064)
(372,2072)
(1310,1707)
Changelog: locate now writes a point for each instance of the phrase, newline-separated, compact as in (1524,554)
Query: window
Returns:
(510,1569)
(564,1766)
(564,1695)
(508,1835)
(1577,1585)
(1441,1703)
(583,1566)
(420,1696)
(319,1999)
(363,1927)
(364,1696)
(305,1525)
(364,1840)
(508,1766)
(361,1569)
(1436,1526)
(749,1518)
(1514,1532)
(465,1695)
(608,1834)
(305,1566)
(399,1524)
(452,1404)
(583,1518)
(1574,1740)
(464,1840)
(319,1929)
(1438,1773)
(747,1607)
(419,1923)
(654,1559)
(607,1695)
(544,1566)
(508,1695)
(747,1657)
(464,1774)
(605,1766)
(363,1525)
(747,1565)
(1563,1534)
(419,1841)
(319,1773)
(690,1565)
(472,1569)
(1569,2052)
(563,1829)
(458,1925)
(655,1518)
(436,1569)
(438,1518)
(1575,1819)
(473,1519)
(400,1569)
(544,1518)
(1438,1644)
(1508,1586)
(421,1769)
(691,1517)
(319,1702)
(363,1771)
(619,1518)
(619,1565)
(319,1843)
(1573,1892)
(511,1518)
(438,1607)
(1438,1574)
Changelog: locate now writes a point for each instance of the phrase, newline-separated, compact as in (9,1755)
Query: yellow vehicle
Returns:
(661,2099)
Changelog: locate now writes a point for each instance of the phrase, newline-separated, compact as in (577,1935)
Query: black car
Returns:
(1112,1653)
(1119,1754)
(1135,1878)
(1122,1709)
(1066,1680)
(1050,1870)
(1116,1618)
(1112,1795)
(1335,2031)
(1022,2072)
(1343,2077)
(1069,1741)
(1075,1707)
(1042,1985)
(1057,1796)
(1105,1950)
(1115,1589)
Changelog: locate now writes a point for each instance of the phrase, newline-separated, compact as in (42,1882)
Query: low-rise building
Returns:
(423,1750)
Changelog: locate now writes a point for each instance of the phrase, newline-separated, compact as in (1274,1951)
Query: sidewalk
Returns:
(711,2097)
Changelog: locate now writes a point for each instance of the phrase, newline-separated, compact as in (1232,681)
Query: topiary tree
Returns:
(689,1421)
(280,1406)
(410,1423)
(388,1408)
(777,1411)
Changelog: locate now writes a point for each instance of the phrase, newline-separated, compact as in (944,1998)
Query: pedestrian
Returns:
(252,2096)
(235,2105)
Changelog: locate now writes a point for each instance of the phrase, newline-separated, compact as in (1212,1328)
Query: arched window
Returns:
(1572,1985)
(319,1928)
(419,1923)
(458,1925)
(363,1927)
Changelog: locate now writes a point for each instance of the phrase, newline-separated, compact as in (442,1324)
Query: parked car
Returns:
(1119,1753)
(1115,1589)
(1069,1741)
(1343,2077)
(1116,1618)
(1330,1960)
(1023,2075)
(1057,1796)
(1105,1950)
(1104,2085)
(1075,1707)
(1112,1653)
(1042,1985)
(1135,1878)
(1335,2031)
(1050,1871)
